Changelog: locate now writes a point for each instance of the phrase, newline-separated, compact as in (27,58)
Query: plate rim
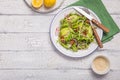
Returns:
(53,43)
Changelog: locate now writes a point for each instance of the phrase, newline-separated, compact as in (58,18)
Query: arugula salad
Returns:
(75,32)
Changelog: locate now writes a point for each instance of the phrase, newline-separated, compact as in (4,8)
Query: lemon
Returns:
(49,3)
(37,3)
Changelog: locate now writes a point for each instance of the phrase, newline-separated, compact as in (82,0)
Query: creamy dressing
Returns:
(100,64)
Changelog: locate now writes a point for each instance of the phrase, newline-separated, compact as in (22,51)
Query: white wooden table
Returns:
(26,52)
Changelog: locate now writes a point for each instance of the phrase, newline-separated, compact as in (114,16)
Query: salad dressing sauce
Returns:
(100,64)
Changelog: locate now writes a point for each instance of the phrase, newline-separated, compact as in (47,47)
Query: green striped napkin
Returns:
(100,10)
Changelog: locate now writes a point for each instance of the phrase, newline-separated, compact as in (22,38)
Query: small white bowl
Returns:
(101,72)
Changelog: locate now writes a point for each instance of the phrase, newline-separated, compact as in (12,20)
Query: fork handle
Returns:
(105,29)
(97,38)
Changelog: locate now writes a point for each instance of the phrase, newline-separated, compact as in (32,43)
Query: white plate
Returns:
(56,24)
(43,9)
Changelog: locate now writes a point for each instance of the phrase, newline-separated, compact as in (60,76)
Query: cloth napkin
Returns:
(98,7)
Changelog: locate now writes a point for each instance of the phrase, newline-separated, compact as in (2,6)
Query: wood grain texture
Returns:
(56,75)
(26,52)
(38,23)
(39,41)
(17,48)
(112,6)
(50,60)
(31,23)
(19,7)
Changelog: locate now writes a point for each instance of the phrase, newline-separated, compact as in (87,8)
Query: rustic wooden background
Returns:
(26,52)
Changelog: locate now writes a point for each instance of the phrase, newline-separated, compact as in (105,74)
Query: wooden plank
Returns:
(37,23)
(25,23)
(12,44)
(116,18)
(112,6)
(55,75)
(26,52)
(19,7)
(39,41)
(26,41)
(52,59)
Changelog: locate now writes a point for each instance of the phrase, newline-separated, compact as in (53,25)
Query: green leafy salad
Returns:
(75,32)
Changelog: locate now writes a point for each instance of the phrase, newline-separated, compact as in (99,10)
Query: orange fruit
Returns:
(37,3)
(49,3)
